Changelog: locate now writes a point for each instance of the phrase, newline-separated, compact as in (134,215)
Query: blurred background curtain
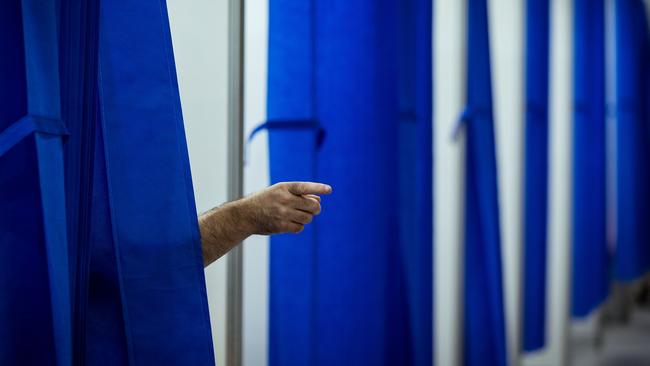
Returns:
(484,318)
(100,258)
(632,253)
(590,262)
(536,173)
(349,104)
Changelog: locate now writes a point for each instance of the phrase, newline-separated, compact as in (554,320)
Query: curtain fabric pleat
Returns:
(100,257)
(484,319)
(632,253)
(590,274)
(42,97)
(536,173)
(78,32)
(345,107)
(416,172)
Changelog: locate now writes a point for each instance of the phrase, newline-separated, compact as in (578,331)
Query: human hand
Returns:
(283,207)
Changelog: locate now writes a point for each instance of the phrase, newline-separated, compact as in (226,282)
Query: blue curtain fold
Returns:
(484,322)
(632,255)
(100,257)
(590,273)
(349,104)
(46,215)
(536,174)
(78,32)
(416,172)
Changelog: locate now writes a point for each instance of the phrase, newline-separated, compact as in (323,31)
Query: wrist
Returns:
(242,218)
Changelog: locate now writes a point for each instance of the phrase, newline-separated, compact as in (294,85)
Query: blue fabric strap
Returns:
(536,174)
(469,112)
(484,323)
(590,275)
(27,125)
(293,125)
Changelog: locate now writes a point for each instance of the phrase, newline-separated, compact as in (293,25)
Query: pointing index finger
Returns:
(308,188)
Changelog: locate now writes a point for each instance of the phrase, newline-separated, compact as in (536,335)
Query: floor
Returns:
(622,345)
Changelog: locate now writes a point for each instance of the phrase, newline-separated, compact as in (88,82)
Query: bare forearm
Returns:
(222,229)
(281,208)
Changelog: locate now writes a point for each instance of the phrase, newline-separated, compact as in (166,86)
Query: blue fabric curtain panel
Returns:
(346,107)
(416,172)
(100,259)
(484,323)
(590,276)
(35,308)
(632,257)
(536,174)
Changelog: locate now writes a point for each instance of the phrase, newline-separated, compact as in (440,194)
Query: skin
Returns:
(281,208)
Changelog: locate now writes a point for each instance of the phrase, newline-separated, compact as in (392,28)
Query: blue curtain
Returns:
(349,104)
(100,258)
(484,323)
(35,308)
(632,258)
(590,277)
(536,174)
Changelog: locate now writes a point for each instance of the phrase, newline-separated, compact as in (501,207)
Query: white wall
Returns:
(448,162)
(200,37)
(507,33)
(256,177)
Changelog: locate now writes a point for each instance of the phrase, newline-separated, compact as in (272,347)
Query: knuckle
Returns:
(279,187)
(282,198)
(283,211)
(301,187)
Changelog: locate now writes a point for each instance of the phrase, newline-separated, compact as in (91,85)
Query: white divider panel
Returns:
(507,37)
(200,38)
(560,175)
(449,99)
(256,177)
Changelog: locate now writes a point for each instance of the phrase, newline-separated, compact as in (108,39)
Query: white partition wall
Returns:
(256,177)
(560,176)
(507,37)
(448,163)
(200,38)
